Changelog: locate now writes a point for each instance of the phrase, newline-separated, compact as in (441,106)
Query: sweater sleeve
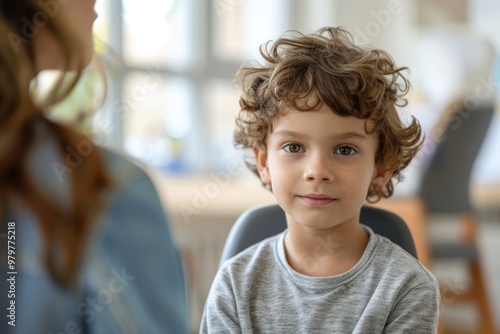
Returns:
(416,312)
(220,314)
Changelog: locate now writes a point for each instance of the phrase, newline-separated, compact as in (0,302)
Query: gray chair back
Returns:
(263,221)
(445,183)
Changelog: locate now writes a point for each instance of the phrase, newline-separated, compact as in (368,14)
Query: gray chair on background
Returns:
(444,189)
(264,221)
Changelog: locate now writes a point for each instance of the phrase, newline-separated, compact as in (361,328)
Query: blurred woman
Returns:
(86,246)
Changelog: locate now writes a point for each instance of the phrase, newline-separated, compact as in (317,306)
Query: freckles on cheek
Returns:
(357,179)
(282,172)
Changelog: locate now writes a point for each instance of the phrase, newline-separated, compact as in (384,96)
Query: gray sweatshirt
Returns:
(387,291)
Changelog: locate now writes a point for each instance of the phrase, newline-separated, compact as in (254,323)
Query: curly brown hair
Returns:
(328,67)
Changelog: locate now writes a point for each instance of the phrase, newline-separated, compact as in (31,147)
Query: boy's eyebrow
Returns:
(286,133)
(343,135)
(349,135)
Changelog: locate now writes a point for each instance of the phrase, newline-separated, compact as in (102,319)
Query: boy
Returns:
(320,117)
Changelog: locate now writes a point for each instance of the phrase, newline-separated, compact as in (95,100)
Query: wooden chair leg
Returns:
(480,295)
(468,227)
(440,329)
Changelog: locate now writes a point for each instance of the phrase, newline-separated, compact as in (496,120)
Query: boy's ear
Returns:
(381,176)
(260,155)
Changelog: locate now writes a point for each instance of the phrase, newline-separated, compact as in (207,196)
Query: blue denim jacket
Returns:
(131,278)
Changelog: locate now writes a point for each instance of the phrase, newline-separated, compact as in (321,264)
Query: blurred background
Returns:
(171,104)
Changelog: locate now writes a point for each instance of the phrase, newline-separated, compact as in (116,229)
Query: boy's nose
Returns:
(318,168)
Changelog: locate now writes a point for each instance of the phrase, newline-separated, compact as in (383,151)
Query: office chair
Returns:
(444,189)
(263,221)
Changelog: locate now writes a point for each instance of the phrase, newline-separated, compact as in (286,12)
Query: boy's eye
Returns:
(345,150)
(293,148)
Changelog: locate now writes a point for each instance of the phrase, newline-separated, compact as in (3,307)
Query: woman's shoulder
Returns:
(133,196)
(121,167)
(130,180)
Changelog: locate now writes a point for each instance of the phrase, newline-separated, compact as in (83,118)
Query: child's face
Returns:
(320,166)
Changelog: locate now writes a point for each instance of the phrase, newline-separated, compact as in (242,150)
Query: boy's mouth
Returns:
(317,199)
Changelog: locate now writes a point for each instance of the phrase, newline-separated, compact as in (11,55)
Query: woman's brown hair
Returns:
(63,231)
(351,80)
